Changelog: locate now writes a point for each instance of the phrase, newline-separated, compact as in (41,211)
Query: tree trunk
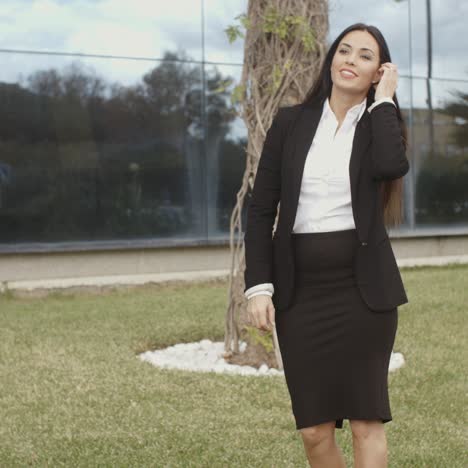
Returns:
(284,45)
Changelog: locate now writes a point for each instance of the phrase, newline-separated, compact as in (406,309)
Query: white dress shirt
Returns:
(325,195)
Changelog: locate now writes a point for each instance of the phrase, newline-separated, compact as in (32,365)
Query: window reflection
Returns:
(122,147)
(448,20)
(225,144)
(219,16)
(441,154)
(112,27)
(84,158)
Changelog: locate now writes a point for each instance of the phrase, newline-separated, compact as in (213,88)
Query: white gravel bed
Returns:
(206,356)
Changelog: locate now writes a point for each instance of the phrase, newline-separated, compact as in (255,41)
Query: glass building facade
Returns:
(117,129)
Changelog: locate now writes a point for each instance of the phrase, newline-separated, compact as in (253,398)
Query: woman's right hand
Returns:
(261,312)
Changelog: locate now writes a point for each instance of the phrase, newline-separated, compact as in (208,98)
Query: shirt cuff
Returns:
(260,293)
(263,288)
(379,101)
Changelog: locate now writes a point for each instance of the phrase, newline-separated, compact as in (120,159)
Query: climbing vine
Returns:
(284,45)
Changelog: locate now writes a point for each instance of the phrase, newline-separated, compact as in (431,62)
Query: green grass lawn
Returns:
(74,393)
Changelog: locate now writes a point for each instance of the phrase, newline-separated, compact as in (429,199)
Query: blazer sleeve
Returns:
(262,208)
(388,153)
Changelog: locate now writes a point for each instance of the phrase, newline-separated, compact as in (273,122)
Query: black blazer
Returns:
(377,154)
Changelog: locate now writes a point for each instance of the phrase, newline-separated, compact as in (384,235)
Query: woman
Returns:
(335,163)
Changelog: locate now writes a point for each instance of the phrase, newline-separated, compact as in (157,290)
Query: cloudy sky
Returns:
(148,28)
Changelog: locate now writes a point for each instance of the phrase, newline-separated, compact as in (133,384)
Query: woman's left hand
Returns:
(387,85)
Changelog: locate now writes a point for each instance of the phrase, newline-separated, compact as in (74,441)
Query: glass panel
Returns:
(145,28)
(225,144)
(440,128)
(95,148)
(418,38)
(85,156)
(449,39)
(219,16)
(404,100)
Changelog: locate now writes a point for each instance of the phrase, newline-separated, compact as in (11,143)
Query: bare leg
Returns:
(320,446)
(369,443)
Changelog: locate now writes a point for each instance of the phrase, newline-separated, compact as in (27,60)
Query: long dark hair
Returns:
(392,190)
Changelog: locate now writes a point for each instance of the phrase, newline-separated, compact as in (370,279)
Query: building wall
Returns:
(119,134)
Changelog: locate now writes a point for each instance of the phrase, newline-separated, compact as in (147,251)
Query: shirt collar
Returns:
(353,114)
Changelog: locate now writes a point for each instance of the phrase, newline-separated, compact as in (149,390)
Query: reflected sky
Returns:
(149,28)
(115,27)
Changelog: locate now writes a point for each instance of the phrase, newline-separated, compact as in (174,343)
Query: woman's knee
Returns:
(363,429)
(316,434)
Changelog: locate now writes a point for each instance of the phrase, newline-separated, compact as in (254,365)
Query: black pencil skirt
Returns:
(335,350)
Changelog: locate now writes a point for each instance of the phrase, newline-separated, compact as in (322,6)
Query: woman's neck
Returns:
(341,102)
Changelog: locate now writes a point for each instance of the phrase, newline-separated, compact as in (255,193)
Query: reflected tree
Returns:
(441,188)
(458,109)
(92,159)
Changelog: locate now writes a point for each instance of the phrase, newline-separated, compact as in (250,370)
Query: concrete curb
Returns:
(189,276)
(114,280)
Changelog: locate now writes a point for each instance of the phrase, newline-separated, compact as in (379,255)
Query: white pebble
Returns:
(206,356)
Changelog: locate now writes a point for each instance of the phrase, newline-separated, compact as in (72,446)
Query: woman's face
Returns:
(358,52)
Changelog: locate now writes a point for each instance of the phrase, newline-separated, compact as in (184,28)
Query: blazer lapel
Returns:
(303,134)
